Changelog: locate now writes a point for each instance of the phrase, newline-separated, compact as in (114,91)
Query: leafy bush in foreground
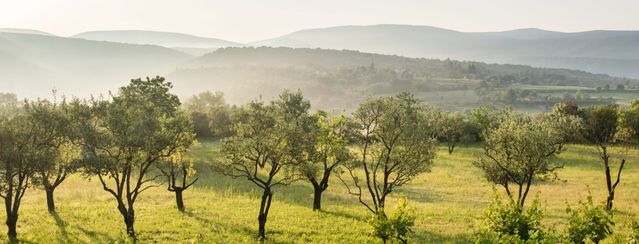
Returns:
(589,222)
(399,226)
(634,234)
(508,222)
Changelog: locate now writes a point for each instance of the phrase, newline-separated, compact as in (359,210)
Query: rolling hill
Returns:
(32,64)
(24,31)
(341,78)
(191,44)
(610,52)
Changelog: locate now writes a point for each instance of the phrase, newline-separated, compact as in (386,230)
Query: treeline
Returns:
(140,137)
(340,78)
(326,59)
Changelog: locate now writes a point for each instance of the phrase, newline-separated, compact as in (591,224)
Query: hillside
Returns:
(338,79)
(32,65)
(610,52)
(191,44)
(24,31)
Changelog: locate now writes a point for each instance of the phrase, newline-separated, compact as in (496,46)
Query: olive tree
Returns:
(124,137)
(454,129)
(210,113)
(394,144)
(327,143)
(521,149)
(62,153)
(24,143)
(180,175)
(486,117)
(600,125)
(265,147)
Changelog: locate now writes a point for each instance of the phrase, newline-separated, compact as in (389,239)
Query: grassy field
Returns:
(223,210)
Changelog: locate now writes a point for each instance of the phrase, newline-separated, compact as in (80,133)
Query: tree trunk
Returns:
(611,194)
(179,200)
(262,227)
(450,149)
(50,201)
(609,200)
(12,221)
(265,205)
(129,220)
(317,198)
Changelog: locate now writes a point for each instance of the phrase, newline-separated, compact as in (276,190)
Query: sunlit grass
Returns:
(220,209)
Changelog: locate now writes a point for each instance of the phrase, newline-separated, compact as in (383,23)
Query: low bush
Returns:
(634,233)
(507,222)
(589,222)
(399,226)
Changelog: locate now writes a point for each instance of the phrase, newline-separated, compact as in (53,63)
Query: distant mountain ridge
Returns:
(24,31)
(187,43)
(610,52)
(32,64)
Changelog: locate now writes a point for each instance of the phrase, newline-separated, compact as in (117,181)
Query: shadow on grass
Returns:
(214,224)
(299,193)
(61,226)
(342,214)
(97,237)
(430,237)
(422,196)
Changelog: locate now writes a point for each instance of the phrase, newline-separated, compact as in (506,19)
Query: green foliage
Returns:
(633,238)
(123,138)
(30,140)
(454,129)
(324,149)
(266,139)
(507,222)
(589,222)
(602,127)
(399,226)
(486,117)
(268,145)
(60,155)
(519,150)
(381,226)
(403,220)
(210,113)
(395,143)
(600,123)
(629,121)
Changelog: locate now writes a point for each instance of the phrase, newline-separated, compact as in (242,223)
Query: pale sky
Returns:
(250,20)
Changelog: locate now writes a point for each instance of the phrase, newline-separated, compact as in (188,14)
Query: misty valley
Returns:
(345,134)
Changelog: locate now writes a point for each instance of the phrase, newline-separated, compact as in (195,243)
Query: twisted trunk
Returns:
(317,199)
(265,206)
(178,199)
(12,222)
(50,201)
(129,219)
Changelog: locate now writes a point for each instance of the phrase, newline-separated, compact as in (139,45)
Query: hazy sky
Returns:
(249,20)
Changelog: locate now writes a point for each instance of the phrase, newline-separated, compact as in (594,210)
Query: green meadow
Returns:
(448,202)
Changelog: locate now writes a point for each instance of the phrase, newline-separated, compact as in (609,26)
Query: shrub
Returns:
(508,222)
(589,222)
(399,226)
(381,227)
(634,233)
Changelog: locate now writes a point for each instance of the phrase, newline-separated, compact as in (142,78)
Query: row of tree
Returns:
(124,140)
(118,140)
(520,149)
